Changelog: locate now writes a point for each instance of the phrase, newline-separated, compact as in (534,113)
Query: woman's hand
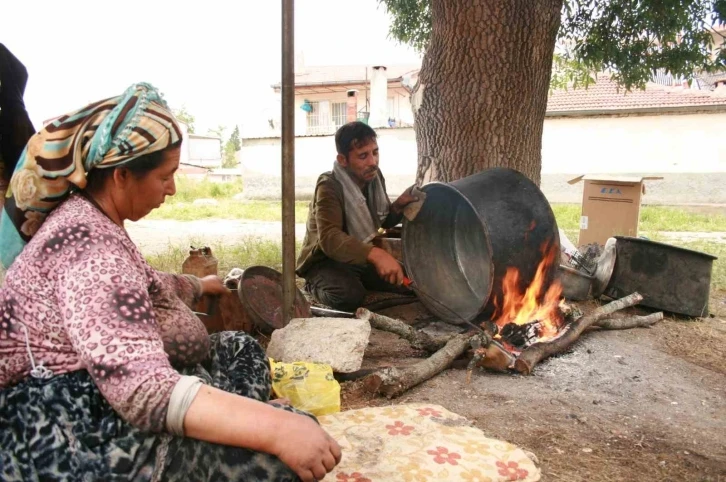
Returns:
(306,448)
(228,419)
(212,285)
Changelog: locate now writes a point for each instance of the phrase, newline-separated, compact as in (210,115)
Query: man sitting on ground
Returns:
(350,204)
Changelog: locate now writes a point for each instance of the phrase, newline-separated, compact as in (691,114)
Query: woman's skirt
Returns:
(62,429)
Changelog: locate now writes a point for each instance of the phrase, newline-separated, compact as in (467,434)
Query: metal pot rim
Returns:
(664,245)
(485,228)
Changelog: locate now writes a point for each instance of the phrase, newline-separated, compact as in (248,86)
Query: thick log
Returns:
(417,338)
(627,323)
(392,382)
(539,351)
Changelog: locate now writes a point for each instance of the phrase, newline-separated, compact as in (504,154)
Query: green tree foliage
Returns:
(229,159)
(631,38)
(183,115)
(234,138)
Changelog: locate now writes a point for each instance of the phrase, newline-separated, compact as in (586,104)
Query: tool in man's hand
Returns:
(408,283)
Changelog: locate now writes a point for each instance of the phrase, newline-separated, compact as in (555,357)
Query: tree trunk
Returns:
(482,92)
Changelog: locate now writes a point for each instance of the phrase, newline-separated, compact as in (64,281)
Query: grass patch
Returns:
(662,218)
(229,209)
(251,252)
(180,207)
(188,190)
(652,219)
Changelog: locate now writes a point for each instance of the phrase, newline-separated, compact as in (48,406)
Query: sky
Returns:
(218,58)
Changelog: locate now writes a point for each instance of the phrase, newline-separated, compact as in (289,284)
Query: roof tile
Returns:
(606,95)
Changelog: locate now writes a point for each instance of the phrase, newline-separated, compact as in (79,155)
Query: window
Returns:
(392,114)
(314,115)
(339,111)
(325,117)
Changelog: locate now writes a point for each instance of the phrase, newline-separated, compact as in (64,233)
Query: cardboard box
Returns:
(610,206)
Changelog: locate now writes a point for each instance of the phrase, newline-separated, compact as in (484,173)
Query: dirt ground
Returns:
(641,404)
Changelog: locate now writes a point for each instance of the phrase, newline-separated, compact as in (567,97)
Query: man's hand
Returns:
(404,200)
(212,285)
(387,267)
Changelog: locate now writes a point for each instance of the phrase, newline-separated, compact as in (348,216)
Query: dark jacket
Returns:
(326,235)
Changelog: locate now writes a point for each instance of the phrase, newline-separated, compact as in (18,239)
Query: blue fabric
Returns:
(13,244)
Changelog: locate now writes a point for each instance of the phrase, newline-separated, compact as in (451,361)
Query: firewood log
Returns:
(627,323)
(391,382)
(539,351)
(417,338)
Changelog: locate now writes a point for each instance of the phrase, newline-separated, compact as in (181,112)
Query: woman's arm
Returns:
(186,287)
(111,323)
(224,418)
(189,288)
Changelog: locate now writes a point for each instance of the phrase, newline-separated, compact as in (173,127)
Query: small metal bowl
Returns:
(576,285)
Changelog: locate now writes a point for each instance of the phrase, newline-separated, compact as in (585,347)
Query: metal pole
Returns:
(288,160)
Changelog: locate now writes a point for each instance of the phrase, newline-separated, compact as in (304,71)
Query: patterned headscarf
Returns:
(104,134)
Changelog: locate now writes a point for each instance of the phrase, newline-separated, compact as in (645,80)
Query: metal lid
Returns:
(260,291)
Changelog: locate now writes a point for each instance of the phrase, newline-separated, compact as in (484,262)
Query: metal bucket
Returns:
(576,285)
(467,234)
(670,278)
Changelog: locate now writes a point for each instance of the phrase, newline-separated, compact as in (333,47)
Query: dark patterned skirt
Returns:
(62,429)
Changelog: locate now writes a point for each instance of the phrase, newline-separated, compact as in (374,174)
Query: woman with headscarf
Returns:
(105,372)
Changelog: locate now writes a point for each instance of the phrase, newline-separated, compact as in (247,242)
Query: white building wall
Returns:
(644,144)
(690,143)
(204,152)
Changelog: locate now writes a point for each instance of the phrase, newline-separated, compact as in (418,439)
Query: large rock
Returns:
(339,342)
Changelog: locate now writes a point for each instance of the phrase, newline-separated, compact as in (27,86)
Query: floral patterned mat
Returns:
(421,443)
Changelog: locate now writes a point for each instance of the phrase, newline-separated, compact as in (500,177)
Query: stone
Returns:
(338,342)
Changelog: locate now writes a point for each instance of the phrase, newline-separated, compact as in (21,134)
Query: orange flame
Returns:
(522,308)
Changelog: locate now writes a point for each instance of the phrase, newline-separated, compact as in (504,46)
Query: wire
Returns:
(38,371)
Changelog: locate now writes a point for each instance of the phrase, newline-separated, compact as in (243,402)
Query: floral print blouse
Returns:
(82,297)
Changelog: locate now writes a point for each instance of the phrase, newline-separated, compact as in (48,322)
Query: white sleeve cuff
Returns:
(182,397)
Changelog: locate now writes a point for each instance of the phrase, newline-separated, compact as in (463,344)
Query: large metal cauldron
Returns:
(467,234)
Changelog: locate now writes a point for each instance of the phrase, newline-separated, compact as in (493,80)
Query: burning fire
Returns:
(525,308)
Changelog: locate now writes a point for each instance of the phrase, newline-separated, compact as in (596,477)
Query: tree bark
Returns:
(482,92)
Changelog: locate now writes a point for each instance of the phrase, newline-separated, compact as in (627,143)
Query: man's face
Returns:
(362,162)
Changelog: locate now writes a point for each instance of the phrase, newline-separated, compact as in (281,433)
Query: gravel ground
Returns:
(153,236)
(640,404)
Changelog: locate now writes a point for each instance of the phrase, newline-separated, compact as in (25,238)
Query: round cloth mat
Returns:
(421,443)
